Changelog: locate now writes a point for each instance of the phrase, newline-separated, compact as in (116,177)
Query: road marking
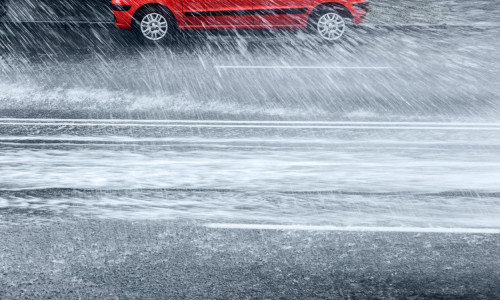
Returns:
(351,228)
(303,67)
(250,122)
(119,140)
(432,25)
(273,126)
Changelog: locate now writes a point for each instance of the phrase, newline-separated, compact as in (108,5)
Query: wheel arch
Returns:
(341,9)
(156,7)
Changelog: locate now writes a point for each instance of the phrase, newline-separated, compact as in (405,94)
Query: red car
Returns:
(157,19)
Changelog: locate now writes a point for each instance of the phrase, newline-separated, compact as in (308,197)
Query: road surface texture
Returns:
(235,165)
(139,209)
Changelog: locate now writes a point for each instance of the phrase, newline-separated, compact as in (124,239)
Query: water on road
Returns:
(138,171)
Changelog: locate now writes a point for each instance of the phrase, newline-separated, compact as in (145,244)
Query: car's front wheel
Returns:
(155,25)
(328,24)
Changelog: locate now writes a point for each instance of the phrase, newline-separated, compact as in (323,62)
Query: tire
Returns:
(328,24)
(155,25)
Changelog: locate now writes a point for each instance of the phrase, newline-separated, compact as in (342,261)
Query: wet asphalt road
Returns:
(381,73)
(99,198)
(99,209)
(330,173)
(106,259)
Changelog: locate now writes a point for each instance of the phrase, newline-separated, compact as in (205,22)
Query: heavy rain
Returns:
(249,163)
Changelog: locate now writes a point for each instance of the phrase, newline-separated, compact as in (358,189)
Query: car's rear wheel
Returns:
(328,24)
(155,24)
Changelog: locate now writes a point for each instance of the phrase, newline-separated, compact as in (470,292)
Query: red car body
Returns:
(197,14)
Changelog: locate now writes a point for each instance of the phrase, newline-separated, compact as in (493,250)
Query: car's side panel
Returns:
(236,13)
(282,12)
(356,14)
(297,12)
(123,19)
(217,12)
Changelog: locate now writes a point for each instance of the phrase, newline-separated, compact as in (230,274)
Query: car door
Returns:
(216,13)
(280,12)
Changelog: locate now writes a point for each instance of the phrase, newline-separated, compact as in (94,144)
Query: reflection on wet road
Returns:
(322,173)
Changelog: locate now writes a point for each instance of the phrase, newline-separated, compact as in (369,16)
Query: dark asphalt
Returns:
(106,259)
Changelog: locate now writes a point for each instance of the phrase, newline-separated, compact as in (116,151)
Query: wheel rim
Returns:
(331,26)
(154,26)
